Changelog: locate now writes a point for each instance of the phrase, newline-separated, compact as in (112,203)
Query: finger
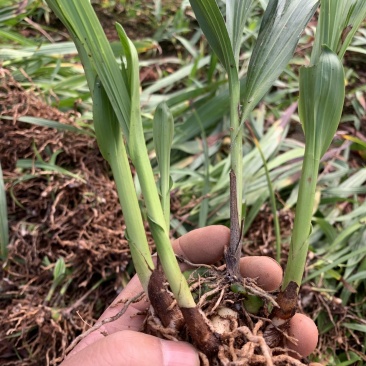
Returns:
(203,246)
(131,348)
(305,331)
(132,319)
(265,269)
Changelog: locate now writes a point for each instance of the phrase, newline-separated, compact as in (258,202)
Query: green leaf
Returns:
(131,71)
(50,124)
(109,138)
(321,101)
(30,164)
(329,231)
(338,23)
(282,24)
(237,12)
(163,130)
(356,15)
(213,26)
(60,269)
(92,44)
(354,326)
(332,22)
(107,129)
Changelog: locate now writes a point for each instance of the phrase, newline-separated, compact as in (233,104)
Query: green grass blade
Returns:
(321,101)
(332,21)
(356,15)
(209,113)
(253,211)
(335,263)
(50,124)
(29,164)
(282,24)
(272,199)
(176,77)
(213,26)
(338,23)
(354,326)
(202,218)
(237,12)
(163,130)
(88,34)
(4,229)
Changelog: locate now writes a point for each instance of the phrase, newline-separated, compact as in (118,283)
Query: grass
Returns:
(181,80)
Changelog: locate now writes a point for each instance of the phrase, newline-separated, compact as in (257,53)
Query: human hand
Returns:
(125,345)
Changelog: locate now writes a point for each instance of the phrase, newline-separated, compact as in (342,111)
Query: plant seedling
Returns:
(115,92)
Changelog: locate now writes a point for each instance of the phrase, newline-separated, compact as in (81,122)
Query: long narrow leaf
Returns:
(332,21)
(338,22)
(321,101)
(237,12)
(213,26)
(163,129)
(50,124)
(88,34)
(282,24)
(357,13)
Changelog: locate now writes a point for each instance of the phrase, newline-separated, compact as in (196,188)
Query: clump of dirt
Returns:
(53,216)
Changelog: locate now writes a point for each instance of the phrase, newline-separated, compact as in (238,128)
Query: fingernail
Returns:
(179,354)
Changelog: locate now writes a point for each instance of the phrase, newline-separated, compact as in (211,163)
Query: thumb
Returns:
(131,348)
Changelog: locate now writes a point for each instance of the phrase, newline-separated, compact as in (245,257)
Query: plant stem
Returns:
(302,225)
(159,229)
(233,252)
(236,134)
(140,158)
(140,253)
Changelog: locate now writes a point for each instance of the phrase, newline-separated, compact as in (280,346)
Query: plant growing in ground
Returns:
(117,120)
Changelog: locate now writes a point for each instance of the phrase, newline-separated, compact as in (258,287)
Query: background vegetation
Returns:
(66,255)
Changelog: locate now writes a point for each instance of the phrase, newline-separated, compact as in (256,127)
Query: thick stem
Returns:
(159,231)
(233,251)
(139,247)
(236,135)
(165,200)
(302,225)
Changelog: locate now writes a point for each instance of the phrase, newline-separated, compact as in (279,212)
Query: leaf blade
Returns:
(282,24)
(321,101)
